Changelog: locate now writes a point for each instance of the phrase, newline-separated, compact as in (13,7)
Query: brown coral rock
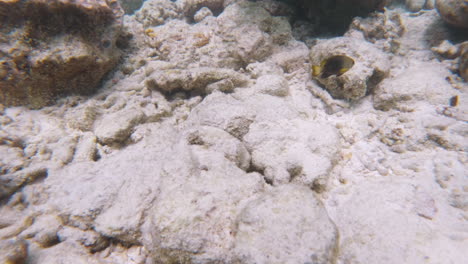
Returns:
(57,47)
(13,251)
(454,12)
(463,68)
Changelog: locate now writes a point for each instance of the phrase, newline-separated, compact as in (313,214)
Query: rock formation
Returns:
(454,12)
(369,67)
(417,5)
(463,64)
(52,48)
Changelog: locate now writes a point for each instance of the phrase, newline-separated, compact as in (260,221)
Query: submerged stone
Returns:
(348,68)
(54,48)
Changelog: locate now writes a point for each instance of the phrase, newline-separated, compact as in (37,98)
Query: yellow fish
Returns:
(150,32)
(334,65)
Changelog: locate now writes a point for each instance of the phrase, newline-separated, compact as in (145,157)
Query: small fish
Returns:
(335,65)
(150,32)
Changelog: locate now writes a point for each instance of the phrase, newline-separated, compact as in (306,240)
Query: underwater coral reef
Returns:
(233,131)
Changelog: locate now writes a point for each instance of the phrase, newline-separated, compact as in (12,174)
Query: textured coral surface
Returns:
(212,141)
(52,48)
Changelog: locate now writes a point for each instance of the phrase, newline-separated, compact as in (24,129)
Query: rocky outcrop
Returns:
(402,93)
(156,12)
(405,222)
(383,29)
(463,64)
(348,68)
(454,12)
(247,33)
(117,127)
(282,212)
(13,251)
(416,5)
(202,80)
(455,55)
(52,48)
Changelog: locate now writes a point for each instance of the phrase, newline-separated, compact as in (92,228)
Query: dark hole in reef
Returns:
(319,185)
(123,41)
(106,43)
(376,78)
(331,17)
(268,181)
(294,172)
(181,94)
(453,101)
(261,171)
(324,18)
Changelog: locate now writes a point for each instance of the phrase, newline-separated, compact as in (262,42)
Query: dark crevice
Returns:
(50,241)
(314,19)
(268,181)
(104,242)
(261,171)
(101,243)
(332,17)
(180,94)
(376,78)
(123,42)
(125,244)
(96,156)
(294,171)
(253,168)
(37,176)
(195,139)
(15,182)
(319,185)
